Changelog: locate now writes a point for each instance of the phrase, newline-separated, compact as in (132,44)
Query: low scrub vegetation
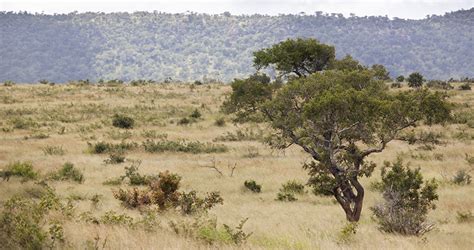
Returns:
(252,186)
(22,169)
(122,121)
(68,172)
(194,147)
(163,193)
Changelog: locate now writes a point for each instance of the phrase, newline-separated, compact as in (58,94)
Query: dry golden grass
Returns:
(73,115)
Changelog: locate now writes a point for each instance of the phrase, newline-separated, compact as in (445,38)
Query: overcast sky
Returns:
(414,9)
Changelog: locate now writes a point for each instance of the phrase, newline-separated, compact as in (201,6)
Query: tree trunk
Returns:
(351,203)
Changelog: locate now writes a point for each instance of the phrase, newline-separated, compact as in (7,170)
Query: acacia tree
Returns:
(339,117)
(415,80)
(301,57)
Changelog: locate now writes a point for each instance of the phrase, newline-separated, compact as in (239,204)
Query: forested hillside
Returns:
(191,46)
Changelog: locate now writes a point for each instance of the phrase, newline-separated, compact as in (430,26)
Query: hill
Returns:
(192,46)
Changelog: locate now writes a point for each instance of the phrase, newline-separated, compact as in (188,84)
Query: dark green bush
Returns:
(286,196)
(121,121)
(406,200)
(293,186)
(184,121)
(465,86)
(220,122)
(396,85)
(196,114)
(253,186)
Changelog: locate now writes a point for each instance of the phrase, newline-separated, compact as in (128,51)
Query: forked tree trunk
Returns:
(350,202)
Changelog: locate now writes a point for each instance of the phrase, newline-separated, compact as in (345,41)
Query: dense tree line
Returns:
(189,46)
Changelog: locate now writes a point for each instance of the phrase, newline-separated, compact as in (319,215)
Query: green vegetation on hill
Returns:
(144,45)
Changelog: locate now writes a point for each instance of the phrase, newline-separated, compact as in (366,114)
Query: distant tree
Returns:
(338,117)
(415,80)
(400,78)
(381,72)
(347,63)
(301,57)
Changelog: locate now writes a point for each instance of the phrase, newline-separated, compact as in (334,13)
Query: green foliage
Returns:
(122,121)
(286,197)
(241,135)
(299,56)
(190,203)
(68,172)
(89,43)
(347,233)
(348,63)
(194,147)
(113,218)
(196,114)
(289,190)
(396,85)
(406,200)
(380,72)
(104,147)
(293,186)
(247,95)
(115,158)
(207,230)
(465,86)
(462,177)
(400,78)
(22,169)
(185,121)
(415,80)
(9,83)
(438,84)
(253,186)
(23,222)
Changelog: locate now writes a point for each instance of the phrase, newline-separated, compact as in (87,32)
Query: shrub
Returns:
(219,122)
(241,135)
(465,86)
(54,150)
(121,121)
(195,147)
(196,114)
(462,177)
(113,218)
(253,186)
(23,222)
(22,169)
(438,84)
(396,85)
(415,80)
(104,147)
(163,192)
(281,196)
(347,233)
(464,217)
(68,172)
(9,83)
(406,200)
(184,121)
(293,187)
(115,158)
(206,230)
(400,78)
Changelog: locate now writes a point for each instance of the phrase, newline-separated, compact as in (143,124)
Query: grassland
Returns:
(50,125)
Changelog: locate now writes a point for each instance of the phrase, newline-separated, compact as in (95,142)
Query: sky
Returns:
(412,9)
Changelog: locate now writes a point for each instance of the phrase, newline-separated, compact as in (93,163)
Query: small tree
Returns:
(380,72)
(415,80)
(339,118)
(400,78)
(406,200)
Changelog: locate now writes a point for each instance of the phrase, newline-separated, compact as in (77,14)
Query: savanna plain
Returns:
(64,146)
